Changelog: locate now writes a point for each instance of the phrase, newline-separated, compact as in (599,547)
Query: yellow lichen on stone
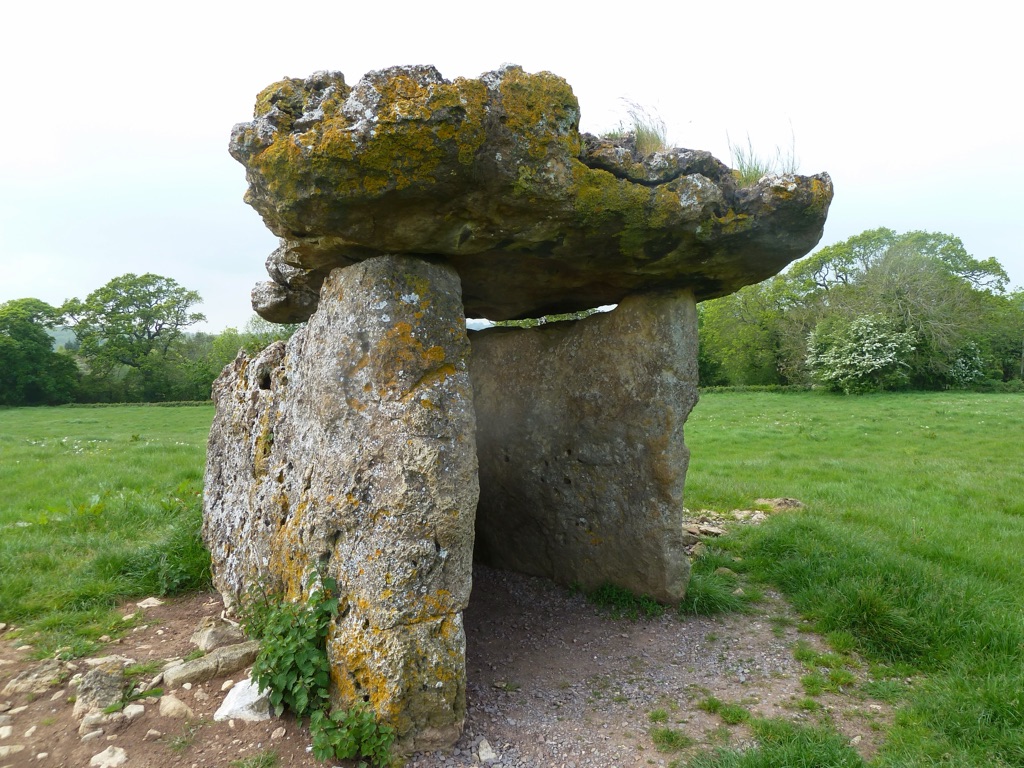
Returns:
(412,135)
(285,94)
(541,109)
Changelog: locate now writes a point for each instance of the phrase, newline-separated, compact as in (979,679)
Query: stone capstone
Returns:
(580,443)
(492,175)
(350,451)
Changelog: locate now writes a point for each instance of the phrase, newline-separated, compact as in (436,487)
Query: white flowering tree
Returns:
(864,354)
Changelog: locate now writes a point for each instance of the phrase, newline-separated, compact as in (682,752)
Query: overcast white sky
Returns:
(115,116)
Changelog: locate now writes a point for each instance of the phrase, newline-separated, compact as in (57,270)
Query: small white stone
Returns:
(150,602)
(92,735)
(6,731)
(151,734)
(42,755)
(172,707)
(133,711)
(278,733)
(58,695)
(244,702)
(485,753)
(187,686)
(128,617)
(111,757)
(18,710)
(227,684)
(30,731)
(11,749)
(90,721)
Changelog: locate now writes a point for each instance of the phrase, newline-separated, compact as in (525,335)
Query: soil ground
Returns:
(553,682)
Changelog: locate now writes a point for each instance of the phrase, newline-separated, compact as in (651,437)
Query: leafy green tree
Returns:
(260,334)
(863,354)
(126,329)
(130,318)
(31,373)
(924,284)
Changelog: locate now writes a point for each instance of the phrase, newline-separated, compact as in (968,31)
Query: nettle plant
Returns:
(865,354)
(293,664)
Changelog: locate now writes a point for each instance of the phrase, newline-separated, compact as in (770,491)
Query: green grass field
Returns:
(99,504)
(909,549)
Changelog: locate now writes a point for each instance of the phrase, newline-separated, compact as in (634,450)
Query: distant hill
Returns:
(62,336)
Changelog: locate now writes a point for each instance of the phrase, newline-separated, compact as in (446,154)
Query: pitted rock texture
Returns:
(352,449)
(493,175)
(580,440)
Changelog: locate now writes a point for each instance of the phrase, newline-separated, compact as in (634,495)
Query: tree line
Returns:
(128,342)
(880,311)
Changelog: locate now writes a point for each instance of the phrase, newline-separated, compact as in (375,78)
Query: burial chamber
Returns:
(384,445)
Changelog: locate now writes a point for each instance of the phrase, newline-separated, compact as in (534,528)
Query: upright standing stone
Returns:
(352,450)
(580,439)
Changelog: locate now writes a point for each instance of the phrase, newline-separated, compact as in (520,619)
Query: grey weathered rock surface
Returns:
(214,632)
(172,706)
(580,440)
(111,757)
(100,687)
(352,449)
(37,679)
(245,702)
(493,175)
(221,661)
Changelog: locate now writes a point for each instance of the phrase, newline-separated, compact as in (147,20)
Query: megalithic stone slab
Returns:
(580,440)
(352,450)
(492,174)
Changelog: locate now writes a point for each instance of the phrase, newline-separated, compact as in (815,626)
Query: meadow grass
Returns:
(99,505)
(909,549)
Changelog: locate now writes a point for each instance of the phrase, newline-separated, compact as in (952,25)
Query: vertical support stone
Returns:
(580,442)
(353,451)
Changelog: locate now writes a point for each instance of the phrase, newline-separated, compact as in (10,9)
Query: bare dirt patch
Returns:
(552,682)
